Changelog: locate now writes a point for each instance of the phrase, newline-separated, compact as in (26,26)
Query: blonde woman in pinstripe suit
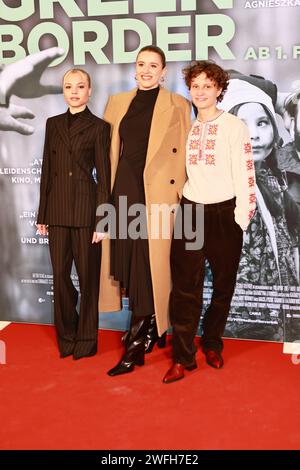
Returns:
(76,142)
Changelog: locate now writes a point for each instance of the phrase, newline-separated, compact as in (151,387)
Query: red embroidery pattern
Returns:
(212,129)
(251,181)
(250,165)
(247,148)
(210,159)
(196,130)
(252,198)
(193,159)
(194,144)
(199,142)
(210,144)
(251,214)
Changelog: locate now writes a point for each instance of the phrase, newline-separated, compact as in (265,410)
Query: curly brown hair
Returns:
(213,71)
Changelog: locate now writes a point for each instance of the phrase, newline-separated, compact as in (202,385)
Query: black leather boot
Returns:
(134,346)
(152,337)
(125,337)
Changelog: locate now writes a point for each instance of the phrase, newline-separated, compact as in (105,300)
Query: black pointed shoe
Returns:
(125,366)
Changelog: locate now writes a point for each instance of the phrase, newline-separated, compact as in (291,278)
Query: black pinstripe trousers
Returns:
(76,334)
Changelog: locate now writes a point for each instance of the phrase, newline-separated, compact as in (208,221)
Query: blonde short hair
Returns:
(83,72)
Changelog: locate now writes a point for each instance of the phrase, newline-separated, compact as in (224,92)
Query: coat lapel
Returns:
(162,114)
(163,111)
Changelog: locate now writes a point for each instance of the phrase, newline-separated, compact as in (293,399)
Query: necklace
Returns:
(213,118)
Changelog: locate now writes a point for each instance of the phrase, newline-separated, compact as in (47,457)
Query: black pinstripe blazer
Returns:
(69,195)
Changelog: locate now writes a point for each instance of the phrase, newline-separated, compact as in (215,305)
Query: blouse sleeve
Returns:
(243,173)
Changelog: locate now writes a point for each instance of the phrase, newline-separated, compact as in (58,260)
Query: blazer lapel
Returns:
(162,114)
(62,128)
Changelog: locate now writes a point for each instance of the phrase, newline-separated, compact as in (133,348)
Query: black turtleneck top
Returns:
(72,118)
(134,131)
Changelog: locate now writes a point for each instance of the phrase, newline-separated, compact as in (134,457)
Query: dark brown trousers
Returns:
(222,246)
(68,244)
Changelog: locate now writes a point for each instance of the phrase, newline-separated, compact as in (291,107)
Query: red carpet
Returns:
(52,403)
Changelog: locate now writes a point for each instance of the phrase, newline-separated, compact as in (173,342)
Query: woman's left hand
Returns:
(98,237)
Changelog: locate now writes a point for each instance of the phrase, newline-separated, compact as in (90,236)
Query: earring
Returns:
(161,81)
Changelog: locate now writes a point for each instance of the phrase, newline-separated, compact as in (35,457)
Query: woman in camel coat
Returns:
(149,130)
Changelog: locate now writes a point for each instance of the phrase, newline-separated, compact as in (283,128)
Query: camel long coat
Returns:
(164,177)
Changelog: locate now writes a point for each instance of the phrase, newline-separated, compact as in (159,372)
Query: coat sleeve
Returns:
(185,107)
(187,117)
(243,173)
(45,179)
(108,115)
(102,163)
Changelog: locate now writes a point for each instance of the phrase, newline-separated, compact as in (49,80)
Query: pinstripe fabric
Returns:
(75,333)
(68,193)
(69,197)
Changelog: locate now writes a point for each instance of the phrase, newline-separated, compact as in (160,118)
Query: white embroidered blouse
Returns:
(220,166)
